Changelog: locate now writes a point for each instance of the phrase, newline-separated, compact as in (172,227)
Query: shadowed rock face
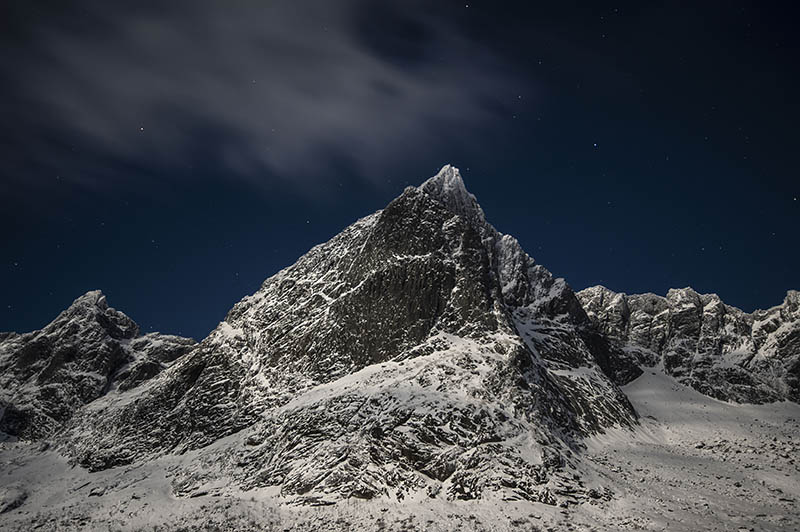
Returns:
(715,348)
(89,349)
(419,349)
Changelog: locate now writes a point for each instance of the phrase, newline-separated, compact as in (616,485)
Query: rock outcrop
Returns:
(89,350)
(717,349)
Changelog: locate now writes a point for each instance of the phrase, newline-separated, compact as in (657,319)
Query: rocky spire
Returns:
(447,186)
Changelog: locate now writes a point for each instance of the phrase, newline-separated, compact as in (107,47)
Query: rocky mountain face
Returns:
(713,347)
(88,351)
(419,353)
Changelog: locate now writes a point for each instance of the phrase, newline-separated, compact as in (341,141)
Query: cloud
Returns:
(258,88)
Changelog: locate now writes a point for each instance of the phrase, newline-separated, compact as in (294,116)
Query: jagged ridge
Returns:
(717,349)
(89,350)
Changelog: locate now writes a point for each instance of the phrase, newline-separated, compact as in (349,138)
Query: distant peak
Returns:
(94,298)
(680,294)
(598,288)
(447,186)
(93,311)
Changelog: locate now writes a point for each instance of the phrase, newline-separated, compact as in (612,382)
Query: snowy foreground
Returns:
(695,463)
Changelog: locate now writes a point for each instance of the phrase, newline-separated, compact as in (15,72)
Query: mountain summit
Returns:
(419,349)
(447,186)
(418,354)
(89,350)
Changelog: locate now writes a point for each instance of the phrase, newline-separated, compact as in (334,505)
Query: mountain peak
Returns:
(448,177)
(447,186)
(91,312)
(92,298)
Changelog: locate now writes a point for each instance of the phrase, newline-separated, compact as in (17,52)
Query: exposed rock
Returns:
(418,351)
(717,349)
(87,351)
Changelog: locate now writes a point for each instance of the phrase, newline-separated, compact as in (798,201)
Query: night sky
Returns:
(175,154)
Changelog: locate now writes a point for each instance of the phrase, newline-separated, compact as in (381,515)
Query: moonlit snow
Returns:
(419,371)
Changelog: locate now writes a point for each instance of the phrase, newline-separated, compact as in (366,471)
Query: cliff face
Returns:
(89,350)
(418,350)
(713,347)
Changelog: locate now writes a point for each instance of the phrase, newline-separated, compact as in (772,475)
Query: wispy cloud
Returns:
(261,88)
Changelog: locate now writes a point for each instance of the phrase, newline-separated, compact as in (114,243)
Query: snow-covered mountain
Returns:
(89,350)
(419,355)
(419,351)
(715,348)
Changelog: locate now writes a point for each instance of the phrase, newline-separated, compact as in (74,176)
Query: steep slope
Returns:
(87,351)
(418,351)
(717,349)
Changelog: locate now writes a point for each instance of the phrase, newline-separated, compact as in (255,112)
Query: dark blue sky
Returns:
(176,154)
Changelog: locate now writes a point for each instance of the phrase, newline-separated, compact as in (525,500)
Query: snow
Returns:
(399,377)
(697,463)
(661,476)
(226,331)
(691,463)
